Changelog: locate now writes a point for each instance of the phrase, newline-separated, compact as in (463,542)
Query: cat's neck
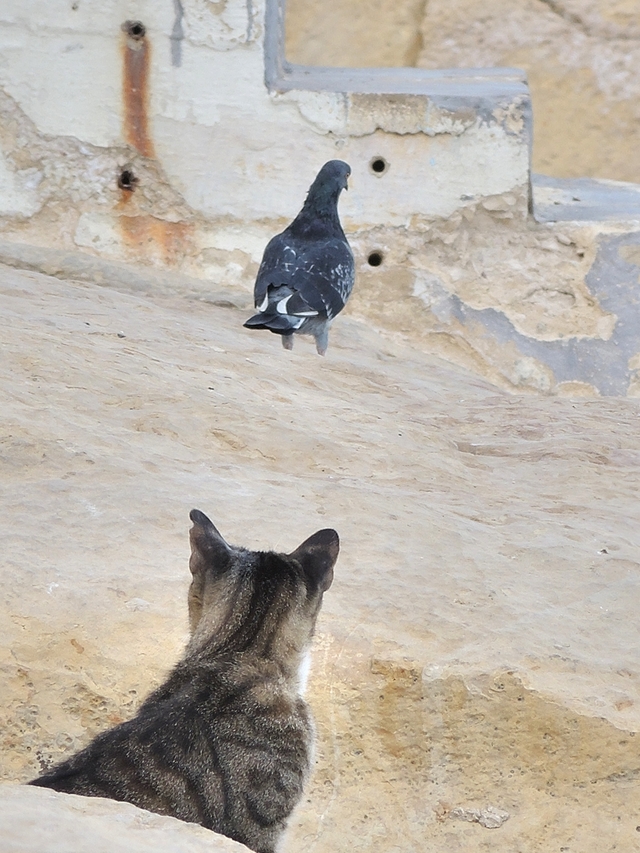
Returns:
(304,669)
(290,670)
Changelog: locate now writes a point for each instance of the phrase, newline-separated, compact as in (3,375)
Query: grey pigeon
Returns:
(307,271)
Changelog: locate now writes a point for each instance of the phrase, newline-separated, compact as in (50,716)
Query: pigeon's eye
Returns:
(378,166)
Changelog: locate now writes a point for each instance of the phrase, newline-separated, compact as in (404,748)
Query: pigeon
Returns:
(307,271)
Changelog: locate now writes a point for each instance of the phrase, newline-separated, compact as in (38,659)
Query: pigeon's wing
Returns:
(323,278)
(278,263)
(315,278)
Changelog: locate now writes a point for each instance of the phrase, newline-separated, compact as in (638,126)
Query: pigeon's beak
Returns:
(346,183)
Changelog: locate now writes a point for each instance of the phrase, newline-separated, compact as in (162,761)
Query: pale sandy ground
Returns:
(480,644)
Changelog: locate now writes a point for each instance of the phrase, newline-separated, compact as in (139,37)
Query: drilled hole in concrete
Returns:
(375,259)
(127,180)
(379,166)
(135,29)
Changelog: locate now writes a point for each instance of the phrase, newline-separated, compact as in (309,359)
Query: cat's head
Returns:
(255,601)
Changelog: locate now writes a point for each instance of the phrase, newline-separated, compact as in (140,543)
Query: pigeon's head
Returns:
(324,191)
(335,172)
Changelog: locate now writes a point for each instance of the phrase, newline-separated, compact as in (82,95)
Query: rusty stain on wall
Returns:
(154,240)
(135,87)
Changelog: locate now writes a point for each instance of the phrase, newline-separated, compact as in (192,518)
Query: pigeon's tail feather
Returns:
(280,324)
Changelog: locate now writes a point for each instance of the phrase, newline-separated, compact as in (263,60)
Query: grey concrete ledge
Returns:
(454,82)
(584,200)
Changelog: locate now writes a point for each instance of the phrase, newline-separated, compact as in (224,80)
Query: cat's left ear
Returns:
(317,556)
(206,541)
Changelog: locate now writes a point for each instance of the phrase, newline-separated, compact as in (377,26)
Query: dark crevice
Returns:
(127,180)
(135,30)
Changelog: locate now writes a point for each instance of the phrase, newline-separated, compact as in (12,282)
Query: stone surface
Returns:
(478,651)
(35,820)
(543,307)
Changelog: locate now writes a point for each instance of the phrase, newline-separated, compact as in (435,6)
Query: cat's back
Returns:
(225,745)
(241,716)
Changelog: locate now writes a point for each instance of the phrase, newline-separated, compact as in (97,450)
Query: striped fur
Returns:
(226,740)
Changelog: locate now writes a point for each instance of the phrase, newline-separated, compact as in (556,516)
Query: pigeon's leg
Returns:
(287,341)
(322,340)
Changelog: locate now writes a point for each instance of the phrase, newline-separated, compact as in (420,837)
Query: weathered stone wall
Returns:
(147,133)
(580,57)
(581,60)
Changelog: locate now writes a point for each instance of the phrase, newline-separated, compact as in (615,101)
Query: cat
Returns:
(227,740)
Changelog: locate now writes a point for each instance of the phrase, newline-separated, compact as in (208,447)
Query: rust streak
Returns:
(144,235)
(135,93)
(156,240)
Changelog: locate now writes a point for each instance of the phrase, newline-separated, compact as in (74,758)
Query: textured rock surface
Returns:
(478,652)
(34,820)
(580,57)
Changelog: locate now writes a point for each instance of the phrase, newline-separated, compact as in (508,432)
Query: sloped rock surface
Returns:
(478,652)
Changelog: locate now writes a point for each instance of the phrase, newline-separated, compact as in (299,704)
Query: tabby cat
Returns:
(227,740)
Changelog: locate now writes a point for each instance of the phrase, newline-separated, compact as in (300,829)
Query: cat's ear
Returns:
(206,542)
(317,556)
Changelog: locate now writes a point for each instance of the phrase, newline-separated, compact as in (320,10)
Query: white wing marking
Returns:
(281,306)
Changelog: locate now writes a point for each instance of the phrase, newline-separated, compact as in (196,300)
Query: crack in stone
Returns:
(177,34)
(250,13)
(570,17)
(577,21)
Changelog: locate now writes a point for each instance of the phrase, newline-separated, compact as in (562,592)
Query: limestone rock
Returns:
(35,820)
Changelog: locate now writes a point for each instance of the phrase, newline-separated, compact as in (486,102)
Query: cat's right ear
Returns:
(318,555)
(207,545)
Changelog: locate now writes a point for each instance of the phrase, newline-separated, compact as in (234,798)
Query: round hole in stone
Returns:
(378,166)
(127,180)
(135,29)
(375,259)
